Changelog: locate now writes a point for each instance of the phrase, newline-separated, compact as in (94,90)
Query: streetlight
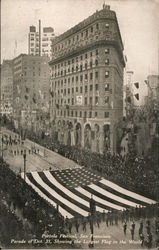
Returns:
(24,156)
(92,213)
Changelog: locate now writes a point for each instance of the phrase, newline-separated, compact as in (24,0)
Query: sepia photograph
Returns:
(79,124)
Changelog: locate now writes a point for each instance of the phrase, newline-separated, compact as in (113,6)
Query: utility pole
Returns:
(24,155)
(2,147)
(92,213)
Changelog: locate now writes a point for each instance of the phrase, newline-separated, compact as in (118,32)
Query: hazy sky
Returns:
(138,22)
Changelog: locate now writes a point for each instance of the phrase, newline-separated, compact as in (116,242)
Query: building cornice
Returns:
(98,15)
(83,49)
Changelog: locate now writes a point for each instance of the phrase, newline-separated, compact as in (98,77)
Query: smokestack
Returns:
(39,37)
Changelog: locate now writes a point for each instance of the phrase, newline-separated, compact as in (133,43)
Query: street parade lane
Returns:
(43,159)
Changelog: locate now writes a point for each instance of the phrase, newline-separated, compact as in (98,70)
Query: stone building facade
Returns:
(87,83)
(6,90)
(31,78)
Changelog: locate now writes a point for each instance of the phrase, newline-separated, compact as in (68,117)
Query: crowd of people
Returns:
(37,213)
(140,223)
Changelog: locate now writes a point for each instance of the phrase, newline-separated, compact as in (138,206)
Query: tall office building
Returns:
(39,42)
(87,83)
(30,90)
(6,90)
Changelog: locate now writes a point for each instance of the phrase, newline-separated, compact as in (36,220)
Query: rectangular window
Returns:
(107,51)
(80,113)
(68,101)
(107,61)
(85,100)
(91,87)
(97,26)
(85,56)
(72,101)
(68,91)
(75,113)
(96,74)
(106,100)
(72,79)
(106,114)
(86,76)
(91,76)
(81,78)
(90,114)
(91,29)
(96,52)
(81,89)
(106,74)
(96,87)
(90,100)
(76,78)
(86,89)
(107,87)
(95,114)
(76,89)
(96,100)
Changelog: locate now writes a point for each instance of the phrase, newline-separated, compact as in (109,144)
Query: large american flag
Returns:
(71,189)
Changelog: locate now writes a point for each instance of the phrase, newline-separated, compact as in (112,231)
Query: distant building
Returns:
(6,88)
(30,90)
(131,93)
(87,83)
(153,91)
(39,42)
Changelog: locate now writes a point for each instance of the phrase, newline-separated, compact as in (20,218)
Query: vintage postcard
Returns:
(79,124)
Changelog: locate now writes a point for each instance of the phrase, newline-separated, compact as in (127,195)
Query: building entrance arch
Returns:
(78,130)
(87,137)
(106,130)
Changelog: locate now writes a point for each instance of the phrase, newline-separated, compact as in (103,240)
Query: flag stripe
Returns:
(102,201)
(99,207)
(51,178)
(54,185)
(105,198)
(69,204)
(61,210)
(51,196)
(111,197)
(127,192)
(113,191)
(72,193)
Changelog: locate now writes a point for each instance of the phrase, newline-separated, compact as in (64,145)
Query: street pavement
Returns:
(43,159)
